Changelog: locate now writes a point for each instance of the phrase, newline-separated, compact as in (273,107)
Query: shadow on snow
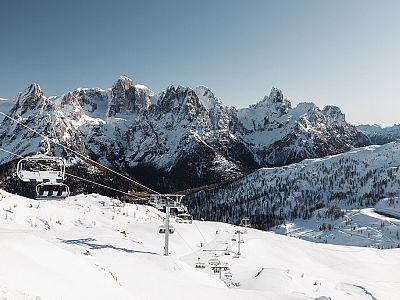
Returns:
(90,242)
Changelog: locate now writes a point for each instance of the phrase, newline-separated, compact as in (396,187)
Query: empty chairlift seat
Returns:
(199,264)
(162,229)
(41,168)
(214,261)
(228,275)
(184,218)
(48,191)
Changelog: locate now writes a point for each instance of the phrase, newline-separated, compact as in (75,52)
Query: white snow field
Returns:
(87,248)
(377,227)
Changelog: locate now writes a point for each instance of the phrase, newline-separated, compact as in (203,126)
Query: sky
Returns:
(342,52)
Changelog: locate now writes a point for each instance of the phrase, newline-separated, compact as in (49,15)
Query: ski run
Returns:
(95,247)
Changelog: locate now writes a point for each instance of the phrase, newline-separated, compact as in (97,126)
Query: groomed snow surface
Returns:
(93,247)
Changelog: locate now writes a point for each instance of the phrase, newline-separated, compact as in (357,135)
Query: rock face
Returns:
(177,139)
(278,134)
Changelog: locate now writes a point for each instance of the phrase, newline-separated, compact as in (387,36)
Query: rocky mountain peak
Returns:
(274,103)
(71,107)
(180,129)
(207,97)
(125,98)
(333,115)
(33,90)
(123,84)
(29,99)
(276,95)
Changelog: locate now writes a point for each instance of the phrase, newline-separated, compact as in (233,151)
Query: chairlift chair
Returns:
(236,255)
(184,218)
(162,230)
(199,264)
(225,268)
(179,208)
(228,275)
(214,261)
(52,191)
(41,168)
(245,222)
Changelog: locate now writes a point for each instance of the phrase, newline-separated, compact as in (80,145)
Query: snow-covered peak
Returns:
(141,87)
(275,102)
(305,107)
(126,97)
(123,82)
(71,106)
(333,115)
(206,96)
(33,90)
(276,95)
(380,135)
(31,98)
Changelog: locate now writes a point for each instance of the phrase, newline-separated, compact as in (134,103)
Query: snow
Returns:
(141,86)
(389,207)
(93,247)
(358,227)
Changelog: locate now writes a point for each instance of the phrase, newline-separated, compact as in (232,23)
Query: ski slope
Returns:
(93,247)
(377,226)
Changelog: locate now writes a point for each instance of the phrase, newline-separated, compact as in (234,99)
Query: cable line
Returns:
(81,155)
(78,177)
(93,162)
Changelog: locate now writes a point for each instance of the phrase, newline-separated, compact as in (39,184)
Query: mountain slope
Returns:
(380,135)
(93,247)
(270,196)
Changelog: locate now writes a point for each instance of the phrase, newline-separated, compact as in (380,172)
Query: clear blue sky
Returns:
(339,52)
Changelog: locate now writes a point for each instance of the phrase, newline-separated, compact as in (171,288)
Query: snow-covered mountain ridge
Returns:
(182,137)
(380,135)
(309,189)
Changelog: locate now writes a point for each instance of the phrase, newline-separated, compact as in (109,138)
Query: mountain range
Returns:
(177,139)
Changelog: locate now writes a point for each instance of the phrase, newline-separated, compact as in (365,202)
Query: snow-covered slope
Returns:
(367,227)
(280,134)
(91,247)
(351,180)
(179,138)
(380,135)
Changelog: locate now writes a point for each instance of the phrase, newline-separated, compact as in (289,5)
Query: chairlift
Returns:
(180,208)
(228,275)
(214,261)
(162,230)
(199,264)
(52,191)
(245,223)
(41,168)
(184,218)
(236,255)
(216,269)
